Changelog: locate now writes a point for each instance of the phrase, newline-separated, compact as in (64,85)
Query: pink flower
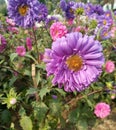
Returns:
(2,43)
(70,21)
(13,29)
(57,30)
(113,32)
(29,43)
(109,66)
(21,51)
(80,29)
(10,21)
(102,110)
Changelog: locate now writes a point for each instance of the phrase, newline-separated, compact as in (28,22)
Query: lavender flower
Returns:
(98,9)
(24,12)
(75,61)
(43,12)
(104,21)
(67,8)
(105,33)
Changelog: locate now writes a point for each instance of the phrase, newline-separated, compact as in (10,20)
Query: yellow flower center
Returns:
(71,11)
(23,10)
(104,22)
(74,62)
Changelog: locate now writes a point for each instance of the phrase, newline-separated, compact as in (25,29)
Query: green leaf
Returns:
(5,116)
(26,123)
(82,124)
(38,78)
(31,57)
(12,80)
(13,56)
(74,115)
(40,110)
(55,107)
(31,91)
(61,91)
(27,72)
(43,92)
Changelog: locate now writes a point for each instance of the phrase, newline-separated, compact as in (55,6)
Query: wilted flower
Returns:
(29,43)
(109,66)
(57,30)
(21,51)
(24,12)
(2,43)
(75,61)
(13,29)
(102,110)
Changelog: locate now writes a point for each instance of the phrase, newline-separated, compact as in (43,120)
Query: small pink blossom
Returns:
(70,21)
(29,43)
(21,51)
(13,29)
(2,43)
(80,29)
(113,32)
(102,110)
(10,21)
(13,101)
(109,66)
(57,30)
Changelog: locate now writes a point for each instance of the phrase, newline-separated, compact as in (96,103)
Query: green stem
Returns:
(35,42)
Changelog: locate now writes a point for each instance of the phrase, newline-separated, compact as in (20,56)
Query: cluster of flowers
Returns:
(76,57)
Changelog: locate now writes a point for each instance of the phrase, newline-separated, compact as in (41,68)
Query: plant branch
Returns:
(34,80)
(73,103)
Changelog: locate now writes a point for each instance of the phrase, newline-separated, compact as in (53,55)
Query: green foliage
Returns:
(26,123)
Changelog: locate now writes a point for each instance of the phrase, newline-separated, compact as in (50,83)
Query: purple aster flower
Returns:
(51,20)
(67,8)
(105,33)
(79,8)
(63,5)
(104,21)
(108,14)
(89,8)
(98,9)
(43,12)
(75,61)
(2,43)
(24,12)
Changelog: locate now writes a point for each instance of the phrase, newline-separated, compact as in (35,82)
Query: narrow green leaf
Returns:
(38,78)
(13,56)
(31,57)
(61,91)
